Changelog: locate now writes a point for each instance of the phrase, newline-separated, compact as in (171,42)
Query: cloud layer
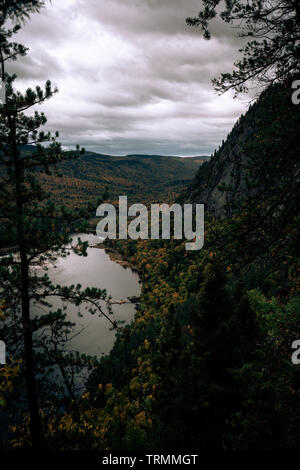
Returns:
(133,77)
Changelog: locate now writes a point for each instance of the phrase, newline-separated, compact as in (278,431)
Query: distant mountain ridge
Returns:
(143,178)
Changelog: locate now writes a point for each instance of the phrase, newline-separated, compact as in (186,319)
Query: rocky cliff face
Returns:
(270,126)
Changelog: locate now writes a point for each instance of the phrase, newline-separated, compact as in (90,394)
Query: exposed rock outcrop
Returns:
(270,126)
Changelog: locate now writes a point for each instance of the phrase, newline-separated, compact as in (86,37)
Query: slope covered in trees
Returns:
(266,141)
(143,178)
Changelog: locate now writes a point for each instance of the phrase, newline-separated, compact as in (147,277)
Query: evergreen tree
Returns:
(37,229)
(272,52)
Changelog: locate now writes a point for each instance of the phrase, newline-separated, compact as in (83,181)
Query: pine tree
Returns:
(31,223)
(272,52)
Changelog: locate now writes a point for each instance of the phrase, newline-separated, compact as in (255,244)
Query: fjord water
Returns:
(96,270)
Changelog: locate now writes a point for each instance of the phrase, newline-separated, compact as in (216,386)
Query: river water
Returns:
(95,270)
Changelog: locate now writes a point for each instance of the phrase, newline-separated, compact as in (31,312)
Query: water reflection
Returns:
(95,270)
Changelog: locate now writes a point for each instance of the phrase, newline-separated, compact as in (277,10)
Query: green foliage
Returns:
(268,415)
(140,177)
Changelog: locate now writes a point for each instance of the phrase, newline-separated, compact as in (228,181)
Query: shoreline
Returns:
(115,256)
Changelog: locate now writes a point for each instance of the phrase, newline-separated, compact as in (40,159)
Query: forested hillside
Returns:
(79,184)
(143,178)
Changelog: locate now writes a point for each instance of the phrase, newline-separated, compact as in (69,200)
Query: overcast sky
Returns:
(132,76)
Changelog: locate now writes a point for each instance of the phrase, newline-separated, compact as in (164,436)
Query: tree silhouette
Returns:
(272,52)
(32,223)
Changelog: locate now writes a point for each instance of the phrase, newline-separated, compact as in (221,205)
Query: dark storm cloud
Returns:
(151,17)
(133,77)
(143,17)
(36,67)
